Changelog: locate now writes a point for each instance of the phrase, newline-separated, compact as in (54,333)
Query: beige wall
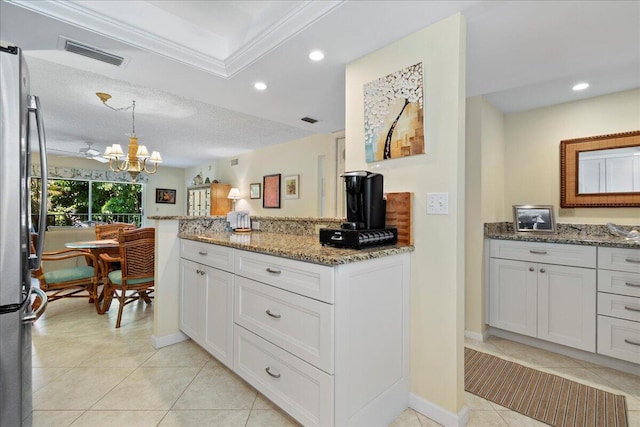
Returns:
(166,177)
(532,152)
(437,269)
(484,199)
(298,157)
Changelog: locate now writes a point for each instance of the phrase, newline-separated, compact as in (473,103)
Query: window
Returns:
(77,202)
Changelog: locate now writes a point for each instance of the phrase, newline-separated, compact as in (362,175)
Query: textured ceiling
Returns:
(191,65)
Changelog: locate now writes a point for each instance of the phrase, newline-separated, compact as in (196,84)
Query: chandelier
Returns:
(137,158)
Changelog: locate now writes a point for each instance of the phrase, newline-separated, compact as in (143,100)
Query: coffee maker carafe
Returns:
(365,201)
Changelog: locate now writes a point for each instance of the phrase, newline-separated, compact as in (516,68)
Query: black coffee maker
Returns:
(365,201)
(366,211)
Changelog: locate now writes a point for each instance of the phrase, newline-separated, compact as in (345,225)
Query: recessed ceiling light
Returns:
(260,85)
(316,55)
(581,86)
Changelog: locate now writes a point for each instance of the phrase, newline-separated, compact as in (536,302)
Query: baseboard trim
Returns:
(476,336)
(438,414)
(159,342)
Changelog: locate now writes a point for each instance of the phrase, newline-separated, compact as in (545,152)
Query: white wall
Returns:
(298,157)
(166,177)
(532,152)
(437,267)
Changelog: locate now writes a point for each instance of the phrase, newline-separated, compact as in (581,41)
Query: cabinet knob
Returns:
(542,270)
(531,269)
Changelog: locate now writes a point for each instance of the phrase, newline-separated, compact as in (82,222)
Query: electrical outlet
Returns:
(255,225)
(437,203)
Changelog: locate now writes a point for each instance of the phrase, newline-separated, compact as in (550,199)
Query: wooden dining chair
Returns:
(68,282)
(135,278)
(110,231)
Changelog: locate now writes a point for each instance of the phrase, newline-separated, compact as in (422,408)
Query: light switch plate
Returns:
(437,203)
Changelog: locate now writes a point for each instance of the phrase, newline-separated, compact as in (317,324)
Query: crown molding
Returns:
(75,14)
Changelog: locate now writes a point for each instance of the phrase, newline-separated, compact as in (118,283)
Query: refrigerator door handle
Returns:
(34,107)
(33,316)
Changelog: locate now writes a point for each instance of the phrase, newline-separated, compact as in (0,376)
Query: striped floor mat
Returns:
(546,397)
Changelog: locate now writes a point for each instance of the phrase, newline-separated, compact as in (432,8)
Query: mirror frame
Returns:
(569,151)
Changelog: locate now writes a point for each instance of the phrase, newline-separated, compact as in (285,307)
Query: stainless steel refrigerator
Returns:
(20,122)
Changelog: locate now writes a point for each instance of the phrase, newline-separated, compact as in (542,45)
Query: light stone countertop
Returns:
(301,248)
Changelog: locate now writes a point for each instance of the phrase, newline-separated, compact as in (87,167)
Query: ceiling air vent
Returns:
(308,120)
(90,52)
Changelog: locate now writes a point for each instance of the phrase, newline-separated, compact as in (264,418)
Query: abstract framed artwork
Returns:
(271,185)
(165,195)
(394,115)
(291,186)
(254,190)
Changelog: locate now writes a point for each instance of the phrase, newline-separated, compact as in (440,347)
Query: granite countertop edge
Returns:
(572,239)
(300,248)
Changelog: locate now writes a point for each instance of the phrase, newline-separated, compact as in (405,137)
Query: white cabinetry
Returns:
(328,344)
(619,303)
(544,290)
(206,298)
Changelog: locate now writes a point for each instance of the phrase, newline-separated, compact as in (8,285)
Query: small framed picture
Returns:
(165,195)
(254,191)
(533,218)
(291,186)
(271,185)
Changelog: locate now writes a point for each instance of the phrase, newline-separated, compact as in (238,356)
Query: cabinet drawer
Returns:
(619,338)
(619,282)
(619,259)
(549,253)
(620,306)
(303,391)
(300,325)
(212,255)
(304,278)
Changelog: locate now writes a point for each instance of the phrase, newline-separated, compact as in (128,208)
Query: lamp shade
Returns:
(234,194)
(142,153)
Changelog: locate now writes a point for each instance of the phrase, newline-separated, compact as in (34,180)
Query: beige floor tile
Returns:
(485,419)
(634,418)
(60,353)
(408,418)
(215,387)
(534,357)
(78,388)
(54,418)
(515,419)
(119,418)
(270,418)
(474,402)
(43,376)
(426,421)
(226,418)
(484,346)
(148,389)
(622,381)
(633,403)
(262,402)
(183,354)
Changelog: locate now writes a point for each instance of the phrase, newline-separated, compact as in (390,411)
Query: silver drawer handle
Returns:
(633,261)
(274,271)
(268,369)
(626,307)
(203,253)
(632,342)
(537,252)
(275,316)
(633,285)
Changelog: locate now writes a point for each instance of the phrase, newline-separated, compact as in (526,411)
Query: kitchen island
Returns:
(321,331)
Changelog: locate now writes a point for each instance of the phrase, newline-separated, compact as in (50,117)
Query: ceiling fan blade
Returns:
(100,159)
(91,152)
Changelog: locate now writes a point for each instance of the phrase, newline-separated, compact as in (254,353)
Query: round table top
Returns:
(92,244)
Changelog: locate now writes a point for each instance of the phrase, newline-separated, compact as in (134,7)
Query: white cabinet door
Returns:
(218,338)
(567,306)
(513,296)
(192,301)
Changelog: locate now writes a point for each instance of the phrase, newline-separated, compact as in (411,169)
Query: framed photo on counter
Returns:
(534,218)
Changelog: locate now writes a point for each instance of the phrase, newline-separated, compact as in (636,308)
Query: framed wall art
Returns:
(534,218)
(291,186)
(254,191)
(165,195)
(271,185)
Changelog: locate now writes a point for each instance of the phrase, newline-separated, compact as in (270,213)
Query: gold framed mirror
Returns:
(600,171)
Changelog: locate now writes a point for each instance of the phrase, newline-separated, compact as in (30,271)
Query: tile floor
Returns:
(87,373)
